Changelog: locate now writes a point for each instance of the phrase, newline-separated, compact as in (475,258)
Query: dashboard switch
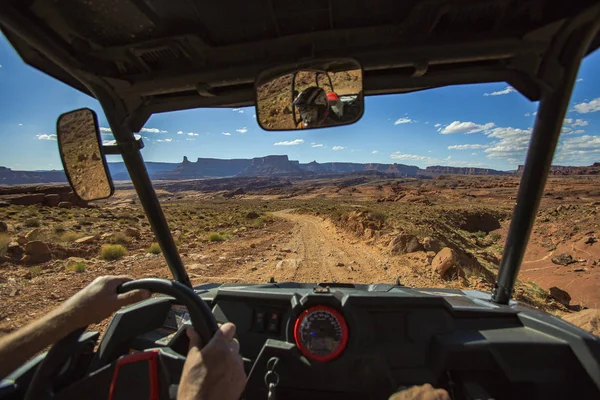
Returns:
(259,320)
(273,323)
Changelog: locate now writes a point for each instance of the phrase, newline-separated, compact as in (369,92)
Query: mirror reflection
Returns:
(84,164)
(317,97)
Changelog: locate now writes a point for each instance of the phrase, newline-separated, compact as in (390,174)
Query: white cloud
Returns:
(579,80)
(254,116)
(20,124)
(575,122)
(411,157)
(589,107)
(109,142)
(374,152)
(474,154)
(569,124)
(403,120)
(239,110)
(242,130)
(289,143)
(317,145)
(336,148)
(528,114)
(45,136)
(153,130)
(168,140)
(192,134)
(180,132)
(512,144)
(105,130)
(437,125)
(226,133)
(465,127)
(509,89)
(467,146)
(191,140)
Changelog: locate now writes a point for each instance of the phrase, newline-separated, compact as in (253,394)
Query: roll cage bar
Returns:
(558,70)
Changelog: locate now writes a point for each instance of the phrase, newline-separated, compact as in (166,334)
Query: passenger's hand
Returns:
(425,392)
(99,300)
(216,371)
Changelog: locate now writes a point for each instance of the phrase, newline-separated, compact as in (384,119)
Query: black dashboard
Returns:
(367,341)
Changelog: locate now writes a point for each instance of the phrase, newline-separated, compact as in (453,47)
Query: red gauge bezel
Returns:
(343,341)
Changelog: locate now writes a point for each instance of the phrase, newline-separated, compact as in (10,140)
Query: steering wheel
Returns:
(201,317)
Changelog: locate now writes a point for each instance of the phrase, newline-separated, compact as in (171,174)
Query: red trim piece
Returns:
(343,339)
(150,356)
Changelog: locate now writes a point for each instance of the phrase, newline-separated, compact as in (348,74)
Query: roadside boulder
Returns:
(51,200)
(430,244)
(563,259)
(21,240)
(587,319)
(252,215)
(404,243)
(14,250)
(32,234)
(38,252)
(444,260)
(65,204)
(133,232)
(3,226)
(87,239)
(562,296)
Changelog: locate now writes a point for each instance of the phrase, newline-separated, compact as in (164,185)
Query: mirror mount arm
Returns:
(122,148)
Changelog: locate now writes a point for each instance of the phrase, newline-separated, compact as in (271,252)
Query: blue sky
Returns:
(486,125)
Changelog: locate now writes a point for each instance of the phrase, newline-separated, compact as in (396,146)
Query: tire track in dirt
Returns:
(321,253)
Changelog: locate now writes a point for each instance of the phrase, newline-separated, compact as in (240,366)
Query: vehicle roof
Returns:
(170,55)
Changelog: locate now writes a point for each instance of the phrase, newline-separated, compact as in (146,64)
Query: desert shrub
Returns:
(378,216)
(58,229)
(216,237)
(120,238)
(76,266)
(480,234)
(35,271)
(31,223)
(111,252)
(495,236)
(70,236)
(154,249)
(4,241)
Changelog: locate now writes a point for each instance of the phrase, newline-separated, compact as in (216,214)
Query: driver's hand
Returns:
(99,300)
(425,392)
(216,371)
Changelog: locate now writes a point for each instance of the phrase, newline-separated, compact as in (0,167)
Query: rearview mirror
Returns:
(80,149)
(310,95)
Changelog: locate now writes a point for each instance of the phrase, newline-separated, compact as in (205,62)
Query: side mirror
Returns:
(315,94)
(80,147)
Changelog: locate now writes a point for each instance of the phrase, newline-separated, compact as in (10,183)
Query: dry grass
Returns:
(110,252)
(154,249)
(216,237)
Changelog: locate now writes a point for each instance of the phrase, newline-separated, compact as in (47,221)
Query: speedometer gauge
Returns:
(321,333)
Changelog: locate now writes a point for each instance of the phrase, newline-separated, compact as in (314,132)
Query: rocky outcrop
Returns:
(404,243)
(50,196)
(593,169)
(443,170)
(273,166)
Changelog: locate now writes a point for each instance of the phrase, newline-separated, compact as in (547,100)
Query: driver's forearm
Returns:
(22,344)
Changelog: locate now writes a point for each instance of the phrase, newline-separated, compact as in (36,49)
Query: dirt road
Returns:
(320,252)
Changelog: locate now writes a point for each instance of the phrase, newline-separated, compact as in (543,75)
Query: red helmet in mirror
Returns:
(335,104)
(312,105)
